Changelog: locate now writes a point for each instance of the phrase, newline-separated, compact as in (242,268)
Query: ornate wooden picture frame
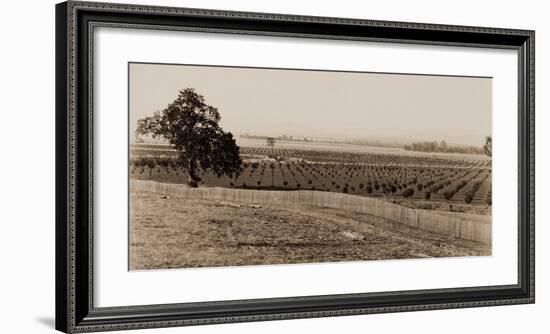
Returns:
(76,309)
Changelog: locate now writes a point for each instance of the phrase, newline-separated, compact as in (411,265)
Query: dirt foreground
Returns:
(168,232)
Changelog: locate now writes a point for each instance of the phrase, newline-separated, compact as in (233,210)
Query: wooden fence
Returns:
(460,227)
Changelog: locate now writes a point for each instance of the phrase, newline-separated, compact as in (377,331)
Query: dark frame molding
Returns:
(75,23)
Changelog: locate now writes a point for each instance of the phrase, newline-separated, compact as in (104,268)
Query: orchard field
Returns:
(394,174)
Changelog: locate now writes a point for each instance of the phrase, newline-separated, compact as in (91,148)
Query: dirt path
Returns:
(177,232)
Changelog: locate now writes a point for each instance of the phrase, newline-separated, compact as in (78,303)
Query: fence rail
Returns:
(459,227)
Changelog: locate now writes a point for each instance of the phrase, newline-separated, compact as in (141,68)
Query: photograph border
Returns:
(128,144)
(75,24)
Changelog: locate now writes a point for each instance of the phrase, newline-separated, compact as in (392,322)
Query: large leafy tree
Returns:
(192,127)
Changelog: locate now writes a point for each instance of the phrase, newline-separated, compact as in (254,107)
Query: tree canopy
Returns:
(488,147)
(192,127)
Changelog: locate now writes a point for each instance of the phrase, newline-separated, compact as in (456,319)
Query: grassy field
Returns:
(170,232)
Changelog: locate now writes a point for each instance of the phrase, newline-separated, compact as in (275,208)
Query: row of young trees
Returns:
(389,181)
(384,159)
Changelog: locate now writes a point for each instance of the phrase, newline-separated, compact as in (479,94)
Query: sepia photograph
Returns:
(240,166)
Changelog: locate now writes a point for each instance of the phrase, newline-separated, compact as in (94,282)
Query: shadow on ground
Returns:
(46,321)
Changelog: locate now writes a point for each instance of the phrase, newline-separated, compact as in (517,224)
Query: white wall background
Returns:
(27,165)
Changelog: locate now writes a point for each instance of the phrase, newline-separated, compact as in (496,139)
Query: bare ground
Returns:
(446,207)
(177,232)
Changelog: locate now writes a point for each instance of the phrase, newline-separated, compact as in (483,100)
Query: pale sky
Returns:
(324,104)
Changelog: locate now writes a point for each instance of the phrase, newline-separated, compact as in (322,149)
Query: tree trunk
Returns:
(192,179)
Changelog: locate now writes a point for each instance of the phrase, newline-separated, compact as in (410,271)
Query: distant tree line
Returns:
(283,137)
(325,140)
(433,146)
